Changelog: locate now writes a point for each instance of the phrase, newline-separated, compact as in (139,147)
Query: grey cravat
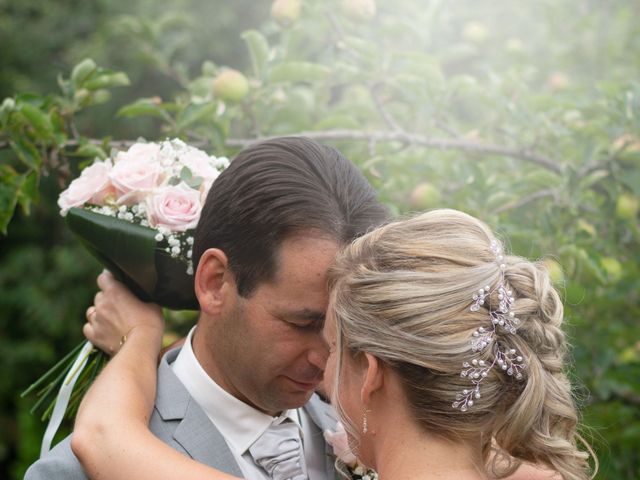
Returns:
(279,452)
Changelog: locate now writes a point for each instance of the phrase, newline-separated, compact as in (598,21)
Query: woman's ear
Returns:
(213,280)
(373,378)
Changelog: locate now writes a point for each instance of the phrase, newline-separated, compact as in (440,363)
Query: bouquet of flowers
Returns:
(135,212)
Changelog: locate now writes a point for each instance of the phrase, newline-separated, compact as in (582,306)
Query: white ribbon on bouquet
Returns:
(64,395)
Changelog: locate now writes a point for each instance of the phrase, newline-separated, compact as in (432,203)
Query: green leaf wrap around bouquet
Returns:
(134,256)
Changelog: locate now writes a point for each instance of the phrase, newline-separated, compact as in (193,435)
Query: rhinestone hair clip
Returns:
(508,360)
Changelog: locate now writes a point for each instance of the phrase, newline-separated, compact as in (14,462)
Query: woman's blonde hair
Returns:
(403,293)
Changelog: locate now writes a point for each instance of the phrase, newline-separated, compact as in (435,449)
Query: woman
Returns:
(446,361)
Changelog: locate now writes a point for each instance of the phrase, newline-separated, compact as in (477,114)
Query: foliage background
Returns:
(526,114)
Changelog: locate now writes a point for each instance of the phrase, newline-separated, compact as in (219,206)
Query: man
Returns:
(270,228)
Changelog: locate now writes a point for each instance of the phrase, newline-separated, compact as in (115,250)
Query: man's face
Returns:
(269,347)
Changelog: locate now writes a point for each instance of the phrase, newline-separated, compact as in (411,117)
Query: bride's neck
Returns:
(401,449)
(410,455)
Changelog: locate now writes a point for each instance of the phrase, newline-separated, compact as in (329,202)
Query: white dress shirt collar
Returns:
(239,423)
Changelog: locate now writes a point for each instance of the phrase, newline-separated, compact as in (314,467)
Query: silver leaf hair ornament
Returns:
(484,338)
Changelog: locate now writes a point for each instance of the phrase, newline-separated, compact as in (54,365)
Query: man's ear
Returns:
(213,280)
(373,378)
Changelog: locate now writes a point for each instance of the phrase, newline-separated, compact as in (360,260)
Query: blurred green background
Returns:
(525,114)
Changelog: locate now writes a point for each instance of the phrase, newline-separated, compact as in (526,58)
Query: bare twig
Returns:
(446,128)
(377,137)
(596,165)
(417,139)
(382,110)
(526,200)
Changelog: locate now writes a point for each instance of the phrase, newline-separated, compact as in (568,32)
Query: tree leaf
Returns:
(91,150)
(10,183)
(299,72)
(107,80)
(142,107)
(27,152)
(194,113)
(38,120)
(28,192)
(99,97)
(82,71)
(632,180)
(258,51)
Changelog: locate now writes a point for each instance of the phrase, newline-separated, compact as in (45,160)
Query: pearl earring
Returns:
(365,428)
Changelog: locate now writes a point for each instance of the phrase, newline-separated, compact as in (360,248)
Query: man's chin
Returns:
(295,396)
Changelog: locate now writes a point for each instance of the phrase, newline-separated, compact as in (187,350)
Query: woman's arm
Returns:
(111,437)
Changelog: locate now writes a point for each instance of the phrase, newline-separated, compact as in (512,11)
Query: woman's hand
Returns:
(115,313)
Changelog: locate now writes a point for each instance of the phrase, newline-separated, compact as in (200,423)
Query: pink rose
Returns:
(136,172)
(339,441)
(174,207)
(92,186)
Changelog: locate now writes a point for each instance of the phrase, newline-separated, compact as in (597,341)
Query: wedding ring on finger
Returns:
(90,312)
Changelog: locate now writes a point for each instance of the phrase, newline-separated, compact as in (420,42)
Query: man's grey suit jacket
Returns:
(179,422)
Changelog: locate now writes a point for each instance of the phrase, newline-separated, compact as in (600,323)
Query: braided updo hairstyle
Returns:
(402,293)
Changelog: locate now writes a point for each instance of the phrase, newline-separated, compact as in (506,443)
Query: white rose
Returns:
(92,186)
(174,207)
(136,172)
(200,164)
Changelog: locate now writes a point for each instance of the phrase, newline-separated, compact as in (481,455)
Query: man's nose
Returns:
(318,352)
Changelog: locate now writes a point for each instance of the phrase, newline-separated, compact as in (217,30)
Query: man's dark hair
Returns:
(278,188)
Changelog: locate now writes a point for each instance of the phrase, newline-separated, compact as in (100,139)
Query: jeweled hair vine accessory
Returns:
(508,360)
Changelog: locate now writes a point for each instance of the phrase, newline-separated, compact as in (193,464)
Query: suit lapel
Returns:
(195,433)
(203,442)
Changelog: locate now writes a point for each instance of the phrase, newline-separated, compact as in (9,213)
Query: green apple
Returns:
(628,148)
(555,271)
(231,86)
(613,268)
(285,12)
(359,10)
(425,196)
(627,207)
